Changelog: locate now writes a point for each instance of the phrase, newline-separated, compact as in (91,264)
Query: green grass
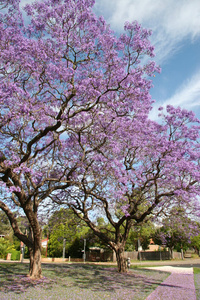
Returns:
(197,281)
(77,281)
(196,270)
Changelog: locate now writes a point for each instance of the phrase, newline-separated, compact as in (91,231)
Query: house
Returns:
(45,243)
(153,246)
(99,254)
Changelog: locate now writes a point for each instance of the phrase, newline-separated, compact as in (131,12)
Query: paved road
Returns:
(189,262)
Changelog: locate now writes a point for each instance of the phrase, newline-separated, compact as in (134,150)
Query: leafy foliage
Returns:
(5,248)
(64,225)
(177,231)
(5,228)
(195,240)
(143,233)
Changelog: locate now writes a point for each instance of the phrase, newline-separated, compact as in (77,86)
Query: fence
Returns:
(154,255)
(110,256)
(149,255)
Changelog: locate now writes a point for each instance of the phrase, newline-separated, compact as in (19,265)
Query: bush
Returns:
(5,248)
(15,255)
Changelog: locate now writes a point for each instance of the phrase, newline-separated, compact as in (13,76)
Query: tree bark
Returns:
(121,261)
(171,253)
(33,242)
(35,269)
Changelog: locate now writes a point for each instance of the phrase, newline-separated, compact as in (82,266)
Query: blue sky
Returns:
(176,37)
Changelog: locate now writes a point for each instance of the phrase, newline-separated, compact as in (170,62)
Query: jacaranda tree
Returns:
(141,172)
(74,123)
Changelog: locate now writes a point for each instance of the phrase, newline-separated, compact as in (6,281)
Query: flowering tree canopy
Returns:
(74,123)
(140,172)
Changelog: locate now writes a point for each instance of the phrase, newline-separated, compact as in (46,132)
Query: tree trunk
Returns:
(121,261)
(171,253)
(35,269)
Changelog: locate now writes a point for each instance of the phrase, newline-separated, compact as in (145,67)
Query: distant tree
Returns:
(64,225)
(177,231)
(195,243)
(142,235)
(5,228)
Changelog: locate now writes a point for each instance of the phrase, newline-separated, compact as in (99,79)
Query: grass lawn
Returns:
(77,281)
(197,281)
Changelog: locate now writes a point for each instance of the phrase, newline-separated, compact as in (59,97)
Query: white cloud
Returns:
(187,96)
(171,21)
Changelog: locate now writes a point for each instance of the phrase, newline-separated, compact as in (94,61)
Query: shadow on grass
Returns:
(97,278)
(13,278)
(92,278)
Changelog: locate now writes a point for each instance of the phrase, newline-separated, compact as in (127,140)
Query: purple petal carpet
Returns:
(178,286)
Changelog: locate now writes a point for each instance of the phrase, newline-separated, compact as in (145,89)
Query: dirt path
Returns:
(178,286)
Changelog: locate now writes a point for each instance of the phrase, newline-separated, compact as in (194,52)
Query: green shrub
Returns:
(26,253)
(15,255)
(5,248)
